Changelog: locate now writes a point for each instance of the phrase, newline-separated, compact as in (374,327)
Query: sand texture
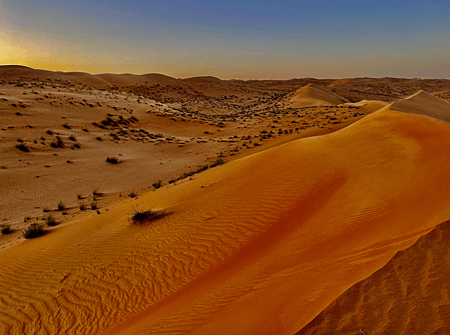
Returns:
(251,247)
(409,295)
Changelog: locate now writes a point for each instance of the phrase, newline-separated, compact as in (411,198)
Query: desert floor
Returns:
(304,206)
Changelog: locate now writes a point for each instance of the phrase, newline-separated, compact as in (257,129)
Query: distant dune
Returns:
(312,95)
(367,105)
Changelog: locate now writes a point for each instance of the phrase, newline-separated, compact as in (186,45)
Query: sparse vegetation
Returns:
(94,206)
(72,138)
(49,132)
(50,220)
(6,229)
(46,209)
(58,143)
(132,194)
(95,192)
(61,206)
(82,206)
(139,217)
(76,145)
(98,138)
(79,196)
(33,230)
(23,147)
(157,184)
(112,160)
(65,125)
(219,161)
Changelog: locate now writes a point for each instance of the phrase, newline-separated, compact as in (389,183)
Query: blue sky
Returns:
(230,39)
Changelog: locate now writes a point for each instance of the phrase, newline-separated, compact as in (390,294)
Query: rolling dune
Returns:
(367,105)
(260,245)
(312,95)
(423,103)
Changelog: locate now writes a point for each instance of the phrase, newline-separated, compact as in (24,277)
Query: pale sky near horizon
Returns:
(230,39)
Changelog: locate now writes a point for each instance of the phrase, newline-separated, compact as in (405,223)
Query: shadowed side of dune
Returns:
(410,295)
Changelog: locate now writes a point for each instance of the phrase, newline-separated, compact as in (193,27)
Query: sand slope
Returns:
(260,245)
(367,105)
(312,95)
(409,295)
(423,103)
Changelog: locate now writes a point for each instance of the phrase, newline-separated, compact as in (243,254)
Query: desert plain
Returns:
(303,206)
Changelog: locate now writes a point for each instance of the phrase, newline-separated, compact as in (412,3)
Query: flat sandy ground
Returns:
(300,230)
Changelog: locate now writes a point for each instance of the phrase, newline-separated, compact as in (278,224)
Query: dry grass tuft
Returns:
(139,217)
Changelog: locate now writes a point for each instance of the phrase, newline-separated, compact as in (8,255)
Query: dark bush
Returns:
(33,230)
(23,147)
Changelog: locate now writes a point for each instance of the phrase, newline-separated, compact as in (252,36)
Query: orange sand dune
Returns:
(423,103)
(260,245)
(367,105)
(409,295)
(313,95)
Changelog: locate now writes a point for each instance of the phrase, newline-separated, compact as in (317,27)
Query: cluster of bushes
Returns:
(109,122)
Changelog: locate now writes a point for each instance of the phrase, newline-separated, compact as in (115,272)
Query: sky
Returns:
(230,39)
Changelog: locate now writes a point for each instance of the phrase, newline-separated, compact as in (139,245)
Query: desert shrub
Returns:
(82,206)
(98,138)
(94,206)
(49,132)
(85,130)
(76,145)
(23,147)
(139,217)
(46,209)
(6,229)
(65,125)
(112,160)
(95,192)
(157,184)
(202,168)
(72,138)
(132,194)
(219,161)
(58,143)
(33,230)
(79,196)
(61,206)
(50,220)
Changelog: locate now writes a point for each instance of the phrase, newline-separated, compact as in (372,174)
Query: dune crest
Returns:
(252,247)
(312,95)
(423,103)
